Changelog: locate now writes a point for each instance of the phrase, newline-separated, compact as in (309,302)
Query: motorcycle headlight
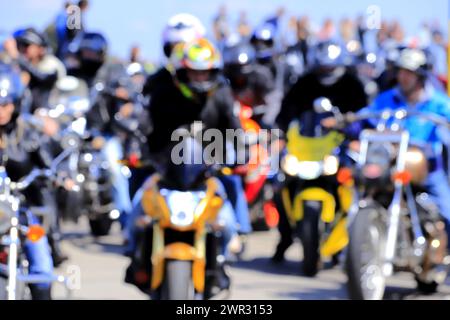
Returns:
(290,165)
(330,165)
(182,207)
(307,170)
(182,218)
(310,170)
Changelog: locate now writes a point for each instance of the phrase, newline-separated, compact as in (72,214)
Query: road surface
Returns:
(97,267)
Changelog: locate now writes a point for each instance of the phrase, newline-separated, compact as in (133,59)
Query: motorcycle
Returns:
(185,258)
(16,227)
(393,224)
(86,166)
(315,201)
(256,176)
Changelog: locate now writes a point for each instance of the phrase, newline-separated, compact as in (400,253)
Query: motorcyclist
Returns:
(87,56)
(180,28)
(194,92)
(30,50)
(250,82)
(412,93)
(114,98)
(296,59)
(22,149)
(136,146)
(329,78)
(263,40)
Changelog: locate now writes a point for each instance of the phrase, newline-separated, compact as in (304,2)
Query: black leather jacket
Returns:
(22,149)
(170,110)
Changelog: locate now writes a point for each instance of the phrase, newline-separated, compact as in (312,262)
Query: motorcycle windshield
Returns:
(186,170)
(311,148)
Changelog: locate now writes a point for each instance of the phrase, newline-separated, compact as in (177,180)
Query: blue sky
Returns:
(141,21)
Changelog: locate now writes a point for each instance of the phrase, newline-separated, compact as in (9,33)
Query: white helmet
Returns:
(181,28)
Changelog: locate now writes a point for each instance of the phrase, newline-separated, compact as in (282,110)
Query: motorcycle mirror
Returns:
(323,105)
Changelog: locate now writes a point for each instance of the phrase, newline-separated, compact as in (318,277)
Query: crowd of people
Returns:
(276,69)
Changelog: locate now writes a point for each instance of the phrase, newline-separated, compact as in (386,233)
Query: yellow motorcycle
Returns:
(184,208)
(317,194)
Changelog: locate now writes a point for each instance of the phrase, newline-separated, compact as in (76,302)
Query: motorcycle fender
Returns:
(315,194)
(174,251)
(179,251)
(337,240)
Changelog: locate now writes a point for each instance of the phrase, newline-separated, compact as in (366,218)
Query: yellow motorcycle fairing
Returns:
(338,239)
(311,148)
(154,205)
(295,210)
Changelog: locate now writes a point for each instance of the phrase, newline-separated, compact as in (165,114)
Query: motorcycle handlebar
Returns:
(29,179)
(399,115)
(35,174)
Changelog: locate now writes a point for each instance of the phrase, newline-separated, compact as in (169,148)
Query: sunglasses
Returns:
(4,104)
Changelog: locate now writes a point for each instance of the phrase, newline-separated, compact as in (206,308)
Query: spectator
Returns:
(135,54)
(244,29)
(220,26)
(328,30)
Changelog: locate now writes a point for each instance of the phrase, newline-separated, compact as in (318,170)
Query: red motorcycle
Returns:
(258,189)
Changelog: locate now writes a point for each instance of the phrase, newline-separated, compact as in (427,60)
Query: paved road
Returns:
(102,265)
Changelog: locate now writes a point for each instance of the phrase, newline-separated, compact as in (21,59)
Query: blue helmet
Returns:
(11,87)
(263,40)
(94,42)
(330,54)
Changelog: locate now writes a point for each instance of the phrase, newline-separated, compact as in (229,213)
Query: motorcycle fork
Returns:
(419,242)
(12,259)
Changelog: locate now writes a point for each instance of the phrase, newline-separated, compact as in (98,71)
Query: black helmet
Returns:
(30,36)
(238,64)
(241,54)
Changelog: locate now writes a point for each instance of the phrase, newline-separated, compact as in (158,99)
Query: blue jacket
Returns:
(422,132)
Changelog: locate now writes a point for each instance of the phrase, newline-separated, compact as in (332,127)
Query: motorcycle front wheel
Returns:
(310,237)
(178,283)
(100,226)
(364,260)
